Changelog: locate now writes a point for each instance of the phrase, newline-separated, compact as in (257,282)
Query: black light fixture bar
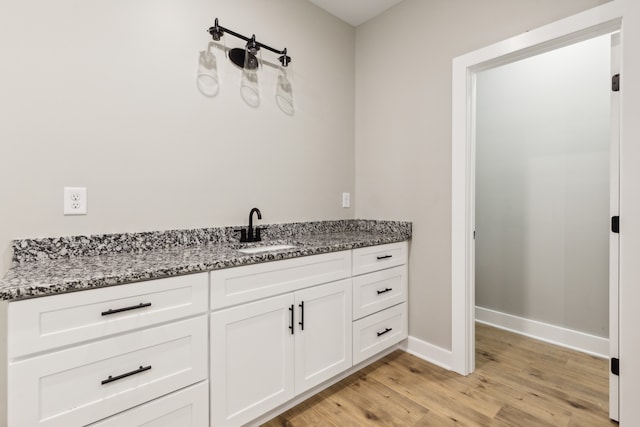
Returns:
(218,31)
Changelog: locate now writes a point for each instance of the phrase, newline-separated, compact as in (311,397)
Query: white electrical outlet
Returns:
(346,200)
(75,200)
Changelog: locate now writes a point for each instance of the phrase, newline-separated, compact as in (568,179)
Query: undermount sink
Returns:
(259,249)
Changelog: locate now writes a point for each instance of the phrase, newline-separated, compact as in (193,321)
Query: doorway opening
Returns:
(542,195)
(543,179)
(596,22)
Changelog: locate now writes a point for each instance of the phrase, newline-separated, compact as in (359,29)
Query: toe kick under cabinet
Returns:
(80,358)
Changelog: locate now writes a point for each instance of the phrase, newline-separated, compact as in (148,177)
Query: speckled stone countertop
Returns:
(51,266)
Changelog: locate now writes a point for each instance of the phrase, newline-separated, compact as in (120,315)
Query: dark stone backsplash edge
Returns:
(52,248)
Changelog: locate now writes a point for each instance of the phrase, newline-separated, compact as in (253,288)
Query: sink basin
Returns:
(259,249)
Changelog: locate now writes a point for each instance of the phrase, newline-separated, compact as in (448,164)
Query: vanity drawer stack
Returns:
(379,298)
(80,358)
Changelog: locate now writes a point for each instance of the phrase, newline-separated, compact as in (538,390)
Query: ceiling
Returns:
(355,12)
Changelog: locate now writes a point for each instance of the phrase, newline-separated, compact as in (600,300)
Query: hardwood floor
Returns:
(518,382)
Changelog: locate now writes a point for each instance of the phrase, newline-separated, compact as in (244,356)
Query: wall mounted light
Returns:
(249,85)
(249,60)
(239,56)
(284,92)
(208,81)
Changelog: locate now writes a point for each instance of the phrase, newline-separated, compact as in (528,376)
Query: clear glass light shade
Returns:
(284,91)
(249,85)
(207,80)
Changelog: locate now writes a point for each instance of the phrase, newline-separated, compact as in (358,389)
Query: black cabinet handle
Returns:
(386,330)
(301,322)
(384,257)
(128,374)
(291,325)
(120,310)
(384,291)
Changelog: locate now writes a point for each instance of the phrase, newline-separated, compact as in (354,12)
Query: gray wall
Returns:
(103,94)
(403,126)
(542,187)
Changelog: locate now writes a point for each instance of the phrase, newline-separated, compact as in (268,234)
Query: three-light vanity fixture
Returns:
(249,60)
(246,58)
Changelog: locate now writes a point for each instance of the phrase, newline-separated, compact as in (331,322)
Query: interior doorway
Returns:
(592,23)
(542,195)
(543,184)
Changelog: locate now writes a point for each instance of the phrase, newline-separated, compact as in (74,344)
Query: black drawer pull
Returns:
(386,330)
(384,257)
(128,374)
(120,310)
(384,291)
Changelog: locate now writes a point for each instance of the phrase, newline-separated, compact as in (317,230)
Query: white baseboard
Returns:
(591,344)
(429,352)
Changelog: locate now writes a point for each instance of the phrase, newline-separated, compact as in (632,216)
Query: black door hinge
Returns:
(615,83)
(615,224)
(615,366)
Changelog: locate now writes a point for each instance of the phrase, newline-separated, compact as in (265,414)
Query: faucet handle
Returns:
(243,234)
(256,236)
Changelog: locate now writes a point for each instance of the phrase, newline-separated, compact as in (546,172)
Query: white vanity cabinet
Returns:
(78,358)
(222,348)
(265,352)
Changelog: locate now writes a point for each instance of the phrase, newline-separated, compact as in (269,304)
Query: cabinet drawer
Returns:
(184,408)
(242,284)
(45,323)
(379,331)
(87,383)
(379,290)
(373,258)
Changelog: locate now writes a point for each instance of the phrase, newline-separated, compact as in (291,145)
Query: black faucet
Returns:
(248,234)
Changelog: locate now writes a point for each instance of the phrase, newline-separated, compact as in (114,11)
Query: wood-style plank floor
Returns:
(518,382)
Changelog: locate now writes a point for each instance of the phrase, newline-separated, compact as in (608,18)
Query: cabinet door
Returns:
(323,333)
(251,360)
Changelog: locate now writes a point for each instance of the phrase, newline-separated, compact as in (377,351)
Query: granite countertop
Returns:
(51,266)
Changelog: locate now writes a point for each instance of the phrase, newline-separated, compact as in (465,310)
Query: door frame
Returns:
(591,23)
(614,238)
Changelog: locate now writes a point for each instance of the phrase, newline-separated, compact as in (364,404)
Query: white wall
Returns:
(403,126)
(103,94)
(542,187)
